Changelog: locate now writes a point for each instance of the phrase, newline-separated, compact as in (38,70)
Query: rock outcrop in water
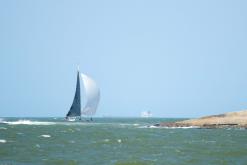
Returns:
(227,120)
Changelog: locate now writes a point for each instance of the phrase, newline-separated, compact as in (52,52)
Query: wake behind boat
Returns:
(92,94)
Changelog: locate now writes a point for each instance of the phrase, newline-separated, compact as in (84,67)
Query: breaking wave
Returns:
(152,126)
(27,122)
(181,127)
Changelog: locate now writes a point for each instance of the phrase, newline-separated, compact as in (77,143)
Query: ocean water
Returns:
(116,141)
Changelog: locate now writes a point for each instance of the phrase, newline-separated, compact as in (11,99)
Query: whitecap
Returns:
(3,141)
(27,122)
(125,124)
(119,140)
(152,126)
(46,136)
(3,128)
(106,140)
(19,133)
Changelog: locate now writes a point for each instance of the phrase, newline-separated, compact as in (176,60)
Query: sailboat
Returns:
(92,94)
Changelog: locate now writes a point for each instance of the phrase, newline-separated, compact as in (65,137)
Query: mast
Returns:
(75,109)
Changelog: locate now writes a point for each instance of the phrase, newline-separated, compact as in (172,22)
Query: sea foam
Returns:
(27,122)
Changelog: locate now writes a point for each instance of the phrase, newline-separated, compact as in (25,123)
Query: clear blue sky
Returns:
(175,58)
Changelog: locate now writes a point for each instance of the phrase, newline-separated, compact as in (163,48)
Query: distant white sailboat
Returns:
(146,114)
(92,94)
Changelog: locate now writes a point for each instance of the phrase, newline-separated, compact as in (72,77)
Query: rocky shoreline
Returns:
(228,120)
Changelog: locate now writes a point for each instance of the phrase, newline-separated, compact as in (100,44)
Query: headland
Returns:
(227,120)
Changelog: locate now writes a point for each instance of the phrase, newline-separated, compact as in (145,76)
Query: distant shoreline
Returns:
(227,120)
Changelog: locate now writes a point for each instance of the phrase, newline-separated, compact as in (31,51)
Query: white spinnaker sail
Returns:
(92,93)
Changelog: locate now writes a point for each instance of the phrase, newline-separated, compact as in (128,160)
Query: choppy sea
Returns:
(116,141)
